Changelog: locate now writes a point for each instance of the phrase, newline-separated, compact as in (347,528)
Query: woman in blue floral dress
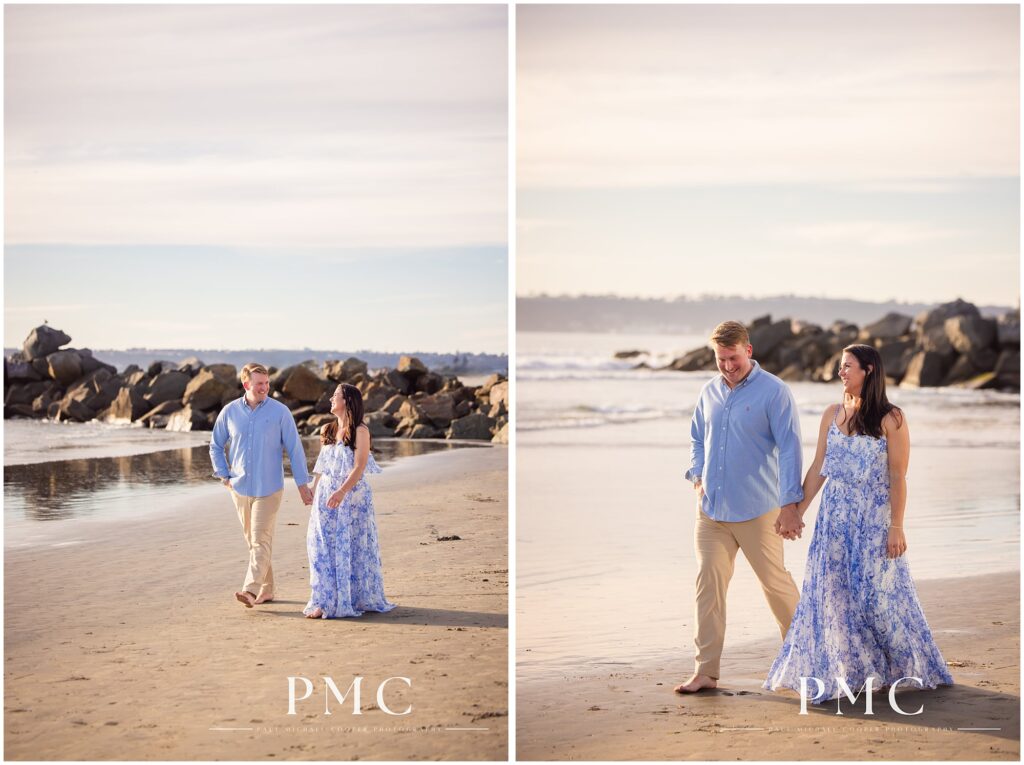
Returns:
(344,558)
(859,615)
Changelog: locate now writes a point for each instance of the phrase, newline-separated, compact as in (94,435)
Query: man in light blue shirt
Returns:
(745,465)
(258,430)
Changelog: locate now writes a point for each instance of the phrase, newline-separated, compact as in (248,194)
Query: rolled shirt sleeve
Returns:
(784,420)
(696,470)
(217,444)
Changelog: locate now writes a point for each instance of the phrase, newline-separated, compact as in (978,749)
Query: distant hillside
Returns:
(607,313)
(444,363)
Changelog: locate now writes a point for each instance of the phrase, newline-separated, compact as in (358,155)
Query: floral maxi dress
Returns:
(344,557)
(858,615)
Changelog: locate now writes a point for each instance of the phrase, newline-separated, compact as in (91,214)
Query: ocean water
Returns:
(604,529)
(65,483)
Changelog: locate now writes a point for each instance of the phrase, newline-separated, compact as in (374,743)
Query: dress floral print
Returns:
(859,615)
(344,556)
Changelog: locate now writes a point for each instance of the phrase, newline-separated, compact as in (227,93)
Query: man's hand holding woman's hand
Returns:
(790,522)
(306,494)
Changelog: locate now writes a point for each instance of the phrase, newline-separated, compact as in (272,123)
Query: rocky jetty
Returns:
(45,380)
(951,344)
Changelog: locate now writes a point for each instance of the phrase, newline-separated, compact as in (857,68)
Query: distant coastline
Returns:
(697,316)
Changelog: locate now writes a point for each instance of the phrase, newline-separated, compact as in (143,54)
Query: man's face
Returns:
(733,361)
(258,387)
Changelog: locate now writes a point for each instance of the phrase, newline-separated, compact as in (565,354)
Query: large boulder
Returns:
(439,408)
(393,404)
(158,416)
(18,370)
(889,327)
(381,424)
(410,410)
(129,406)
(375,394)
(926,370)
(166,386)
(935,318)
(74,409)
(191,365)
(159,367)
(501,435)
(473,426)
(970,334)
(64,366)
(410,428)
(896,356)
(188,419)
(204,391)
(345,371)
(92,364)
(26,394)
(1008,369)
(226,373)
(42,341)
(411,367)
(695,360)
(1008,329)
(98,390)
(303,385)
(399,381)
(499,399)
(767,338)
(430,383)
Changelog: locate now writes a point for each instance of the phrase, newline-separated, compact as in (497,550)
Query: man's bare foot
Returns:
(316,613)
(246,598)
(696,683)
(264,599)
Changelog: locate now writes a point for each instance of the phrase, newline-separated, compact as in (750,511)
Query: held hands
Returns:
(306,494)
(336,498)
(789,524)
(897,544)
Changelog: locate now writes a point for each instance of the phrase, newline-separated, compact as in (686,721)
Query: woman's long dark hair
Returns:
(354,402)
(874,405)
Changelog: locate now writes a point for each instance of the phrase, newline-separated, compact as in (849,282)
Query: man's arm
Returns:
(696,471)
(217,444)
(293,445)
(784,420)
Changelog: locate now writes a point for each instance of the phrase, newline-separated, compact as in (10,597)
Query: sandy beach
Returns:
(629,711)
(129,644)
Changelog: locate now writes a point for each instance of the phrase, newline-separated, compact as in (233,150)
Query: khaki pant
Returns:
(716,543)
(257,516)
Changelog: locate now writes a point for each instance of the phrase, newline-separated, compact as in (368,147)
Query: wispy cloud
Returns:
(253,125)
(659,95)
(869,233)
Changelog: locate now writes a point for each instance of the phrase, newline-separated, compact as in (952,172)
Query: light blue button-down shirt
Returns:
(745,447)
(255,440)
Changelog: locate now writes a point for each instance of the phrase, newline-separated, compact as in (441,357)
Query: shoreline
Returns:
(133,647)
(630,712)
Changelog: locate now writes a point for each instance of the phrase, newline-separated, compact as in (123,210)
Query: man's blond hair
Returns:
(730,333)
(249,369)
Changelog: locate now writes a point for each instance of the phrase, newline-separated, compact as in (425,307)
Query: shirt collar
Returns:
(253,409)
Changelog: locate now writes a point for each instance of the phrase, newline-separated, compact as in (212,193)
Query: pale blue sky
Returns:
(279,176)
(849,151)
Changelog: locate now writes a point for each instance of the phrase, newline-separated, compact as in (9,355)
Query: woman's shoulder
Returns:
(894,419)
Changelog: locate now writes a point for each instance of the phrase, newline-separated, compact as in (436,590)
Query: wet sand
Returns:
(130,645)
(629,711)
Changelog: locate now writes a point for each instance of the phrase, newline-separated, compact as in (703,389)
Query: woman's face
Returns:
(852,374)
(338,407)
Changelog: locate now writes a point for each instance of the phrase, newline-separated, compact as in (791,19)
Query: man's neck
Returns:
(249,402)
